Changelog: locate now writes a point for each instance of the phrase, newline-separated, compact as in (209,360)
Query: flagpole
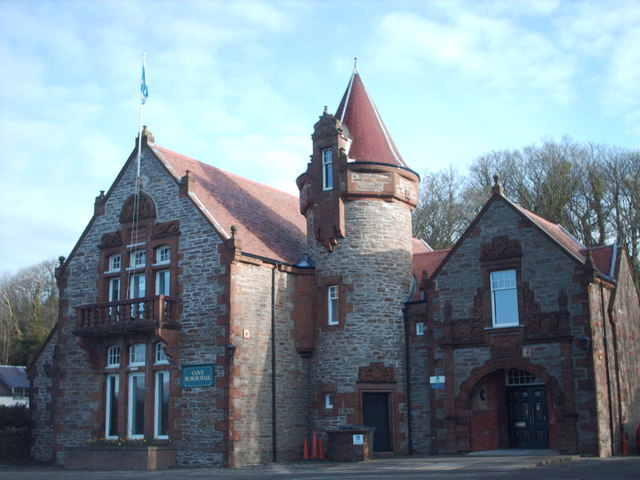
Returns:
(144,93)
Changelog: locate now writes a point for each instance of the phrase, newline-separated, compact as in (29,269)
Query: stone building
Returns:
(228,319)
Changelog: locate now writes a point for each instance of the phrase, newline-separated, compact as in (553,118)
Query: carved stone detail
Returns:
(500,248)
(146,208)
(111,239)
(166,229)
(376,372)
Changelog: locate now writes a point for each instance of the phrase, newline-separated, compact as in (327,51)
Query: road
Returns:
(402,468)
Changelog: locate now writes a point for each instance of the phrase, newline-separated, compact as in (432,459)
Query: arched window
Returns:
(113,356)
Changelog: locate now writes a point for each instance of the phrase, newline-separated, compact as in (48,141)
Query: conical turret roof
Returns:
(364,126)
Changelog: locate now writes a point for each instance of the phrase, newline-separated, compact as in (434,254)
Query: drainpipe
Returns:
(606,363)
(274,440)
(408,375)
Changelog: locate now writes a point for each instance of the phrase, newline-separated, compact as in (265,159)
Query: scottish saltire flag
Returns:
(144,90)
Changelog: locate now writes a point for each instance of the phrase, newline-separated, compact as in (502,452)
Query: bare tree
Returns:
(28,311)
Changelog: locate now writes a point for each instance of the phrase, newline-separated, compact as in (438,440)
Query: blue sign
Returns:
(198,375)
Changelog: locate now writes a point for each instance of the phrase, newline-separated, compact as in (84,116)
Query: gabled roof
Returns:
(364,126)
(269,221)
(603,256)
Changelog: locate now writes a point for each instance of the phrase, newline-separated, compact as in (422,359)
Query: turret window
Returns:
(332,305)
(327,169)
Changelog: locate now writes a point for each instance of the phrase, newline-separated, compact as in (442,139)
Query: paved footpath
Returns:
(486,466)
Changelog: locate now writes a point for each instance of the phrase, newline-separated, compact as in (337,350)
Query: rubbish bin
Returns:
(350,443)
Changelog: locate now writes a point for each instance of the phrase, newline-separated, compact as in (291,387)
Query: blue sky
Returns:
(239,85)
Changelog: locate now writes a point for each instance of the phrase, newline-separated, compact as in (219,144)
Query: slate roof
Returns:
(601,255)
(371,141)
(269,221)
(12,377)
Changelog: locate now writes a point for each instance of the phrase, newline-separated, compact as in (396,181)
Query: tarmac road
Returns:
(487,466)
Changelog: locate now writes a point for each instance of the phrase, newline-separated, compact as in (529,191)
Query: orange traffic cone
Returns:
(314,445)
(320,450)
(305,450)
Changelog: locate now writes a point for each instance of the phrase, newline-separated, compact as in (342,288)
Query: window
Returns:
(332,305)
(327,169)
(160,354)
(136,405)
(115,263)
(420,328)
(138,285)
(113,356)
(328,401)
(163,254)
(111,410)
(20,392)
(138,259)
(162,282)
(504,298)
(137,354)
(161,405)
(114,289)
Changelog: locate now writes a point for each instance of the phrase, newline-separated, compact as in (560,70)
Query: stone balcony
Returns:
(138,315)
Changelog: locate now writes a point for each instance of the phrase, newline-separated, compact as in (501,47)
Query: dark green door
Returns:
(528,424)
(375,413)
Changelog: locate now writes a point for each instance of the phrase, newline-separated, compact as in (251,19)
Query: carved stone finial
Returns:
(326,110)
(61,259)
(497,189)
(234,230)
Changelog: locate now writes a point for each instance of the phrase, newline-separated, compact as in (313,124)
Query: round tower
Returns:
(357,195)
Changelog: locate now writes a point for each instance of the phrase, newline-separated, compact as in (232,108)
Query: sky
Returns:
(240,84)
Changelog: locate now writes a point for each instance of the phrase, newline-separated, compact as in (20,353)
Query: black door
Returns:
(375,413)
(528,424)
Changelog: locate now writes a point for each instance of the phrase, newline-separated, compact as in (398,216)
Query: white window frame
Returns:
(138,259)
(163,255)
(113,356)
(163,278)
(114,289)
(159,354)
(137,355)
(138,287)
(328,401)
(131,420)
(115,263)
(333,305)
(158,411)
(504,291)
(327,169)
(113,381)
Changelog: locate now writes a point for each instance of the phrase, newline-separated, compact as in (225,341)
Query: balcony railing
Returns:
(134,315)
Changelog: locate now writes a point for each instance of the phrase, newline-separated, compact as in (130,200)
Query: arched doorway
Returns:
(508,408)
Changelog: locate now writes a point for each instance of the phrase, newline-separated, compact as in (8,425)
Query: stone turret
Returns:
(357,195)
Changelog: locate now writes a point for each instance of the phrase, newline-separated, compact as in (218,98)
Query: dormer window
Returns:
(327,169)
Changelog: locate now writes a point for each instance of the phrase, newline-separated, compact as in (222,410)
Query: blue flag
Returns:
(144,90)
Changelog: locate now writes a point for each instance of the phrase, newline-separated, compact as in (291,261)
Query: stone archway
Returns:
(482,404)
